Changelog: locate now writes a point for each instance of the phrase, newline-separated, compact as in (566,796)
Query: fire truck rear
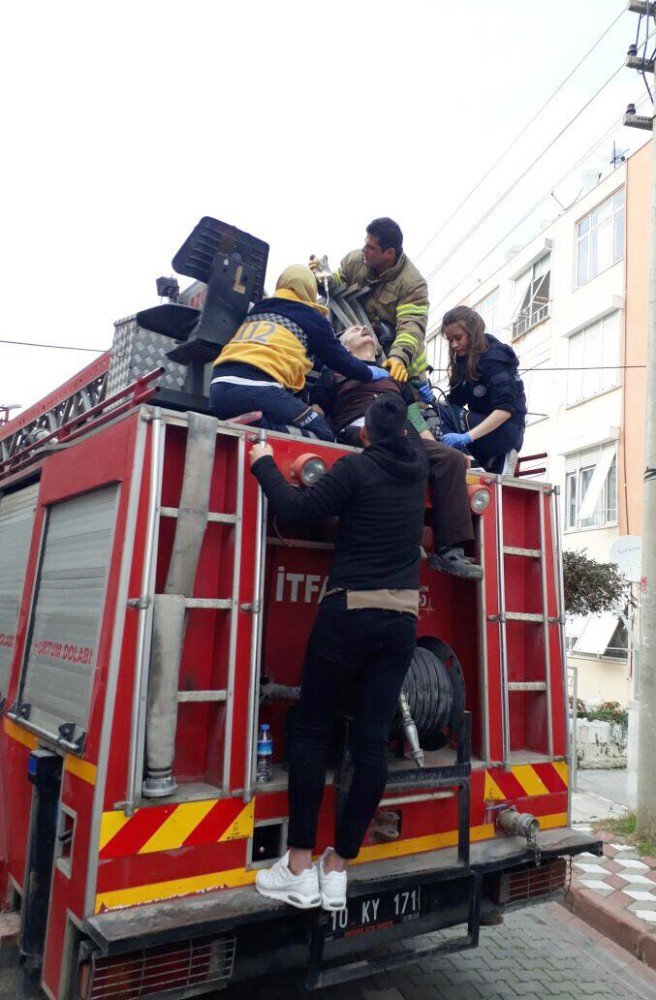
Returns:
(153,615)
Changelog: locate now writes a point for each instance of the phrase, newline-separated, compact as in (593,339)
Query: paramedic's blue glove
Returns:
(426,392)
(378,373)
(459,441)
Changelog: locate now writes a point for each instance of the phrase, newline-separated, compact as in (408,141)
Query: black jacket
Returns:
(379,496)
(498,387)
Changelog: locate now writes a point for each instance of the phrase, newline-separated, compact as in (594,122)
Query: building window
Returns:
(535,302)
(488,309)
(594,360)
(591,489)
(538,382)
(600,238)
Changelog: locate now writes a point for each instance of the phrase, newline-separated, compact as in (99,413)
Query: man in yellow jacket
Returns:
(398,295)
(261,369)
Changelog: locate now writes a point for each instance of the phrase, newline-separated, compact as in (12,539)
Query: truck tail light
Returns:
(479,498)
(308,468)
(179,966)
(530,882)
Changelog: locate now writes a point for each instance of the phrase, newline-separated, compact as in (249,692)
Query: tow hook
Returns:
(521,825)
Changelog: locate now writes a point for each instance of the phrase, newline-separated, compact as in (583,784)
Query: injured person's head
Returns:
(361,342)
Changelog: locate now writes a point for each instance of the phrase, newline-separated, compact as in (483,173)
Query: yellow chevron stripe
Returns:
(234,877)
(242,826)
(528,778)
(23,736)
(560,767)
(552,821)
(177,826)
(82,768)
(110,824)
(492,792)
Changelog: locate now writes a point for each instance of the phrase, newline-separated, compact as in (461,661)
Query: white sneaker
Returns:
(332,885)
(279,882)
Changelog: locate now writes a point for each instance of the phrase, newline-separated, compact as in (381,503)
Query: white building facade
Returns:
(559,301)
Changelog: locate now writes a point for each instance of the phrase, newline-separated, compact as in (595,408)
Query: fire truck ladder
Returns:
(540,620)
(172,607)
(78,397)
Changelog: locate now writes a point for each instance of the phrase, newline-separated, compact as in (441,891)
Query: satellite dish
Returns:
(590,178)
(626,553)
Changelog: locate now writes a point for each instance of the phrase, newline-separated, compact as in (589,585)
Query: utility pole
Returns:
(647,728)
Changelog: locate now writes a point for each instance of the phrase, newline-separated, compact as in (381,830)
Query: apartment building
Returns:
(573,303)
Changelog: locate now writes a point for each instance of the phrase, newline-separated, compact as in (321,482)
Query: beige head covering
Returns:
(299,279)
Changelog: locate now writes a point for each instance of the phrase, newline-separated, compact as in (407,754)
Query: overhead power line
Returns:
(55,347)
(533,208)
(519,135)
(502,197)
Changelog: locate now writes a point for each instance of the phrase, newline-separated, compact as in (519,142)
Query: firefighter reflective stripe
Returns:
(410,309)
(525,780)
(166,828)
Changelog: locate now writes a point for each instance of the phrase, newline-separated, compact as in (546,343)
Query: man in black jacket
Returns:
(361,643)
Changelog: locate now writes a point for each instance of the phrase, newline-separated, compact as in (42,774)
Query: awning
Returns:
(574,625)
(596,634)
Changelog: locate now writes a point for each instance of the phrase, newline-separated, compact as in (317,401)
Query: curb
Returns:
(621,926)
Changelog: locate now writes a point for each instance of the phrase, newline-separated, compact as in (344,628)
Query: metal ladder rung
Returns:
(209,603)
(523,616)
(202,696)
(512,550)
(527,686)
(213,516)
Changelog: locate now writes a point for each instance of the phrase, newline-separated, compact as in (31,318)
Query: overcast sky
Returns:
(298,122)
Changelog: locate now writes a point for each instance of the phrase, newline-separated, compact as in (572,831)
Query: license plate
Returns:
(374,913)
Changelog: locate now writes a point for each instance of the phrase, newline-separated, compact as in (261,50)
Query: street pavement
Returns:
(599,795)
(538,953)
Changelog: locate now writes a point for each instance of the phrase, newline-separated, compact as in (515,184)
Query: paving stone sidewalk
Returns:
(538,953)
(616,894)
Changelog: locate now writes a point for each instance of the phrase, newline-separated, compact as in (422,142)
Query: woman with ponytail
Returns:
(486,414)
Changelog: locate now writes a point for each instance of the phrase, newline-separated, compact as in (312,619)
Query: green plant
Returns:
(591,586)
(625,828)
(608,711)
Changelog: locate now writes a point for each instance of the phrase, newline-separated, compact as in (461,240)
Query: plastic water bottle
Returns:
(264,770)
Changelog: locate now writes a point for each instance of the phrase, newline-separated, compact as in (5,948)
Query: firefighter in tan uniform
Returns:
(399,295)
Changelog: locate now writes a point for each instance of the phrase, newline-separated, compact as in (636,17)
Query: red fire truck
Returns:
(152,615)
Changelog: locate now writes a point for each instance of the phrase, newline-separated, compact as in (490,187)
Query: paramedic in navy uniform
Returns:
(483,378)
(361,643)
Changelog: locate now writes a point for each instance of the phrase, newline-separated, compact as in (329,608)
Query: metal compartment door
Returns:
(16,522)
(66,615)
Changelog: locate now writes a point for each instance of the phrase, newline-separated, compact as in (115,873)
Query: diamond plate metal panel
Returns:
(136,352)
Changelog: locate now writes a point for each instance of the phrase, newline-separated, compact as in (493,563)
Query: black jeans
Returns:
(281,410)
(356,662)
(490,451)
